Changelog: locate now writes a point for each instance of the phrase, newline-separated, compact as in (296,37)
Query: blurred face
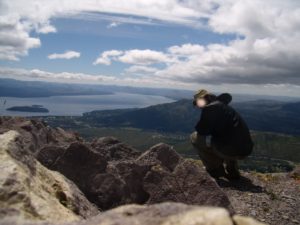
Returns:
(200,102)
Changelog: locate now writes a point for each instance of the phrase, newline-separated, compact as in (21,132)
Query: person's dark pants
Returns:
(214,160)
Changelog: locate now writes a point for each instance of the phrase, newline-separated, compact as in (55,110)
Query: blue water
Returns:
(76,105)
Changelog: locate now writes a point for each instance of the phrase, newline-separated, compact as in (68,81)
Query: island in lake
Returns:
(33,108)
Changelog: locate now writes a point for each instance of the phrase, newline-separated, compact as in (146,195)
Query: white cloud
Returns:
(266,49)
(235,63)
(144,57)
(36,74)
(113,24)
(14,39)
(25,17)
(114,19)
(186,50)
(141,70)
(134,56)
(65,55)
(46,28)
(106,57)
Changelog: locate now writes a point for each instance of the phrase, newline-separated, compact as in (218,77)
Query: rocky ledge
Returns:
(50,176)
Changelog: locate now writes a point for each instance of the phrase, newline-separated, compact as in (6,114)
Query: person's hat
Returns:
(199,94)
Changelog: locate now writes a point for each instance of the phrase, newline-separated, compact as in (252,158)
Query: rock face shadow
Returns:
(243,184)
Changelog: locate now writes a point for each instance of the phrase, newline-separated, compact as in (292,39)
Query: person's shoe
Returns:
(232,170)
(233,176)
(217,173)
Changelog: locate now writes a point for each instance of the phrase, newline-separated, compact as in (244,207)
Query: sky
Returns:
(239,46)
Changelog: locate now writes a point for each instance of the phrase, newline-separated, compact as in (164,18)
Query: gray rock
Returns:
(187,183)
(111,173)
(29,191)
(163,214)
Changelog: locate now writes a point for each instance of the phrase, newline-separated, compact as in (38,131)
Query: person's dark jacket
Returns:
(230,133)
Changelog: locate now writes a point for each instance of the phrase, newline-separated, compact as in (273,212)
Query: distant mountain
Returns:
(23,89)
(176,116)
(268,115)
(181,116)
(17,88)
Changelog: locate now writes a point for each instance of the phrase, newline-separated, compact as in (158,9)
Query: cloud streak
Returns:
(134,56)
(107,56)
(144,81)
(36,74)
(65,55)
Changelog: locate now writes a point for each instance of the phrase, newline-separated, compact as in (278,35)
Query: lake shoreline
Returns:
(76,105)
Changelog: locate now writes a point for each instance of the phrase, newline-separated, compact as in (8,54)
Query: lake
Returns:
(76,105)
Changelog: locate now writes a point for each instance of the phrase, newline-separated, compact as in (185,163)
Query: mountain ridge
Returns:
(181,116)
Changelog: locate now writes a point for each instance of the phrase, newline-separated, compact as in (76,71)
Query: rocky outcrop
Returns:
(111,173)
(77,162)
(157,175)
(113,149)
(163,214)
(50,174)
(29,191)
(36,134)
(187,183)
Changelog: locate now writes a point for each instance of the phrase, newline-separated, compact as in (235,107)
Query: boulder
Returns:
(243,220)
(161,214)
(159,174)
(130,175)
(161,154)
(29,191)
(77,162)
(113,149)
(49,154)
(167,213)
(37,134)
(188,183)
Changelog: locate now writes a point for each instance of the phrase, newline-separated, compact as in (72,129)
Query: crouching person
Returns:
(221,137)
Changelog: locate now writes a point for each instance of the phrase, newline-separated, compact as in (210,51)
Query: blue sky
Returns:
(93,37)
(245,46)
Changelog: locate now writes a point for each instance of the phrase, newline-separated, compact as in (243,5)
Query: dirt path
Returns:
(271,198)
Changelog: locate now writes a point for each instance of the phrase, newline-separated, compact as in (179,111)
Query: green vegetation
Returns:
(181,116)
(276,145)
(271,145)
(272,153)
